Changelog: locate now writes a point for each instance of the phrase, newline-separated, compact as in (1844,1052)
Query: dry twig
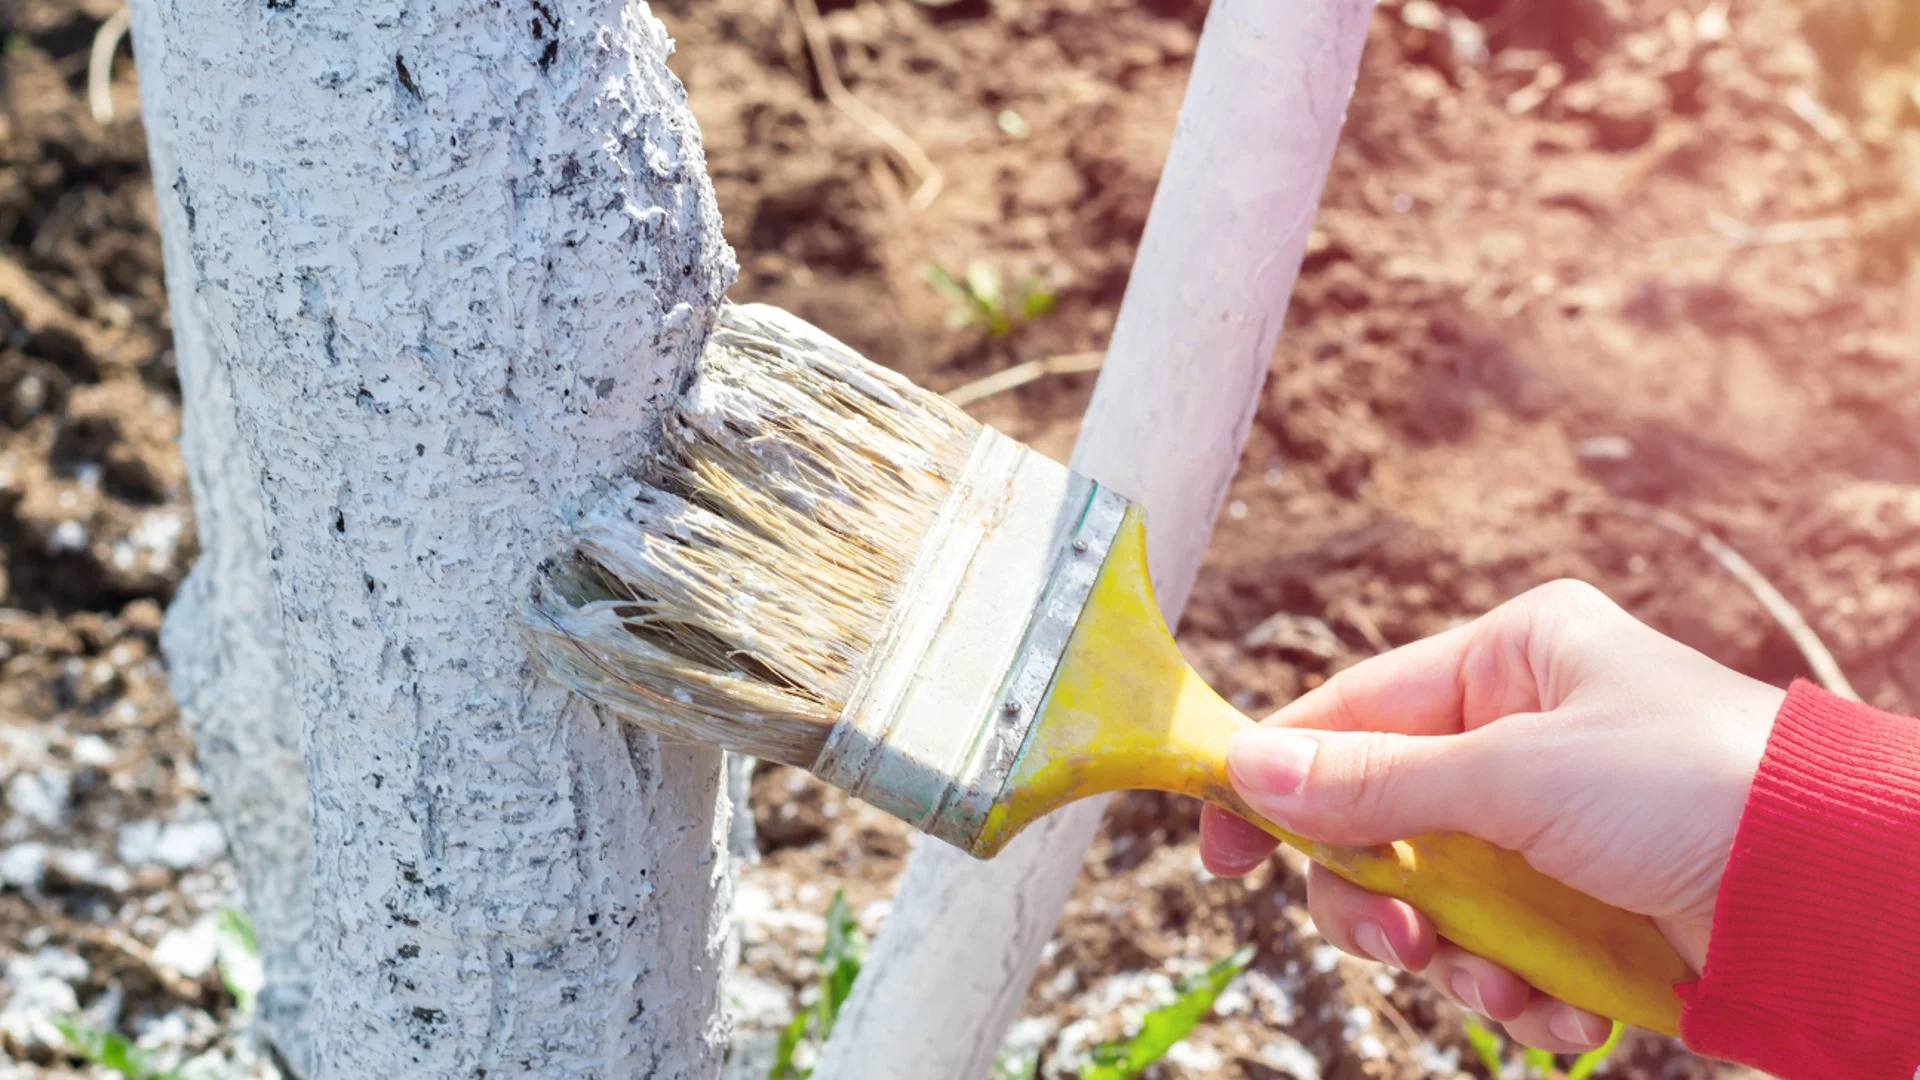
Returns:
(1022,374)
(134,949)
(910,152)
(1362,986)
(1350,612)
(106,41)
(1822,121)
(1825,668)
(1730,234)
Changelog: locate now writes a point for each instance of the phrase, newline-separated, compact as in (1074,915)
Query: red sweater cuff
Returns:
(1814,966)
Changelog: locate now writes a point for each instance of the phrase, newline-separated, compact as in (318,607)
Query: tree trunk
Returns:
(225,654)
(454,259)
(1182,377)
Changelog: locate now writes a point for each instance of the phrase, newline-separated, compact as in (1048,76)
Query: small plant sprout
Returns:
(840,960)
(1491,1050)
(980,299)
(1487,1046)
(238,957)
(1163,1027)
(110,1050)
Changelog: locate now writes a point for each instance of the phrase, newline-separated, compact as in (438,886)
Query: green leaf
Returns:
(1585,1064)
(1036,300)
(1486,1045)
(988,300)
(1163,1027)
(1490,1049)
(967,308)
(238,954)
(789,1042)
(109,1049)
(983,285)
(235,924)
(945,283)
(980,298)
(840,960)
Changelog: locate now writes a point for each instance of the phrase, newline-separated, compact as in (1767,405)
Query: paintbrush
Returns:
(822,564)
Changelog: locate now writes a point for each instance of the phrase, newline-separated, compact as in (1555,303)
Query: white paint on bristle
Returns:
(732,592)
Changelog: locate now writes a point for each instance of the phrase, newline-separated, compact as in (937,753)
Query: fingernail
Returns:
(1270,764)
(1374,942)
(1467,991)
(1231,853)
(1579,1028)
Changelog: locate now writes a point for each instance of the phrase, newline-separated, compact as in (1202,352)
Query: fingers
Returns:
(1229,847)
(1394,747)
(1364,787)
(1412,690)
(1516,658)
(1478,984)
(1555,1026)
(1530,1017)
(1368,925)
(1388,931)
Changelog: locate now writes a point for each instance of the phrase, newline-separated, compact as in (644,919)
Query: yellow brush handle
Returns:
(1127,712)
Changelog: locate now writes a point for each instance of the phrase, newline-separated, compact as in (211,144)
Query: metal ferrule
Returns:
(964,668)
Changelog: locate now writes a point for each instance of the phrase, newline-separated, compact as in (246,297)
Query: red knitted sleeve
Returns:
(1813,971)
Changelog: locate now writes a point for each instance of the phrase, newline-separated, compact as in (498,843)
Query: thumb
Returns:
(1359,787)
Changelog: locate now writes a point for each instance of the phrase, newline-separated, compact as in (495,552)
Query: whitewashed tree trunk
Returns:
(1166,425)
(455,258)
(225,653)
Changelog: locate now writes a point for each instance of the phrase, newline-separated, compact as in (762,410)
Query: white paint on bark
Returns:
(1166,425)
(743,841)
(455,257)
(225,654)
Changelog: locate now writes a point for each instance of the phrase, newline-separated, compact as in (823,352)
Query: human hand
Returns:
(1612,757)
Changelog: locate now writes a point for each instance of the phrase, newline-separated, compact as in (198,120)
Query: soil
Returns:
(95,533)
(1574,259)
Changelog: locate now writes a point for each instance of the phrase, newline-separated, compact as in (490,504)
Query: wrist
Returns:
(1748,714)
(1817,926)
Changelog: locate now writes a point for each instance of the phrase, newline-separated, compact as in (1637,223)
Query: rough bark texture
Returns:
(227,669)
(454,258)
(225,653)
(1190,350)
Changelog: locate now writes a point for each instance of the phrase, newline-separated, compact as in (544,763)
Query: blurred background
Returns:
(1593,279)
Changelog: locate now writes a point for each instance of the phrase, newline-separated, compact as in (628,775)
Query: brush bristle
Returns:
(731,593)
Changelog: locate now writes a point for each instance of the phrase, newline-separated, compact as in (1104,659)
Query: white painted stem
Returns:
(1169,416)
(454,258)
(226,657)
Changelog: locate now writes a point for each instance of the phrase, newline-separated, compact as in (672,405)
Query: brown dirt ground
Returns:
(1572,257)
(95,532)
(1540,291)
